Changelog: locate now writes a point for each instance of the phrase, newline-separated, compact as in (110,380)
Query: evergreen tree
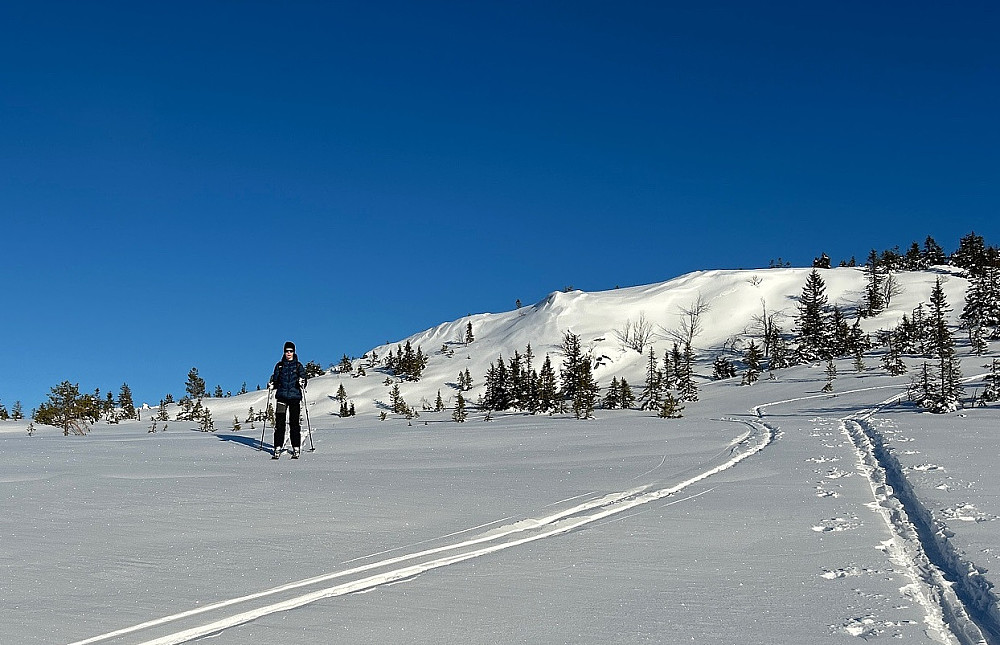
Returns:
(469,337)
(873,300)
(67,409)
(4,415)
(933,253)
(195,385)
(670,408)
(459,415)
(914,260)
(585,397)
(859,361)
(992,391)
(723,368)
(125,402)
(751,359)
(686,386)
(982,299)
(572,357)
(16,413)
(613,399)
(971,254)
(439,403)
(945,396)
(547,388)
(831,375)
(627,398)
(654,382)
(813,323)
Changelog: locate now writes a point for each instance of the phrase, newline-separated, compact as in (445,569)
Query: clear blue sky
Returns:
(190,184)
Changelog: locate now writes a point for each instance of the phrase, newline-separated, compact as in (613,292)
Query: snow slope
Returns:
(767,514)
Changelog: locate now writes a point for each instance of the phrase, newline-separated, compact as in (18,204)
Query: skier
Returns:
(288,381)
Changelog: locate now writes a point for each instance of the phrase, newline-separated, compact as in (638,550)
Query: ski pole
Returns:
(264,429)
(305,404)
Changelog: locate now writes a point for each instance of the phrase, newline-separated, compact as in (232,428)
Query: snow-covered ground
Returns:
(767,514)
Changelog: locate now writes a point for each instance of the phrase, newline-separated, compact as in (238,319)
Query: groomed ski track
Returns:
(954,614)
(201,622)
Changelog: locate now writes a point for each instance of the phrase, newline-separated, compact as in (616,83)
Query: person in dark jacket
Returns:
(288,381)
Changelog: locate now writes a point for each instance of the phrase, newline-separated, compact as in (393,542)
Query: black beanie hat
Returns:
(290,345)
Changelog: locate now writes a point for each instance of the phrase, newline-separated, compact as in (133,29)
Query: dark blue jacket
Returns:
(286,379)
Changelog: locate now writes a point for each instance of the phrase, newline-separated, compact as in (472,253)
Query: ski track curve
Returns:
(211,619)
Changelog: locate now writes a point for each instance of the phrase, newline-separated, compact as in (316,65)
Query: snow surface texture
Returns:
(767,514)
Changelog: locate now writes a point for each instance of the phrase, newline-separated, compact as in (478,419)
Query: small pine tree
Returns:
(236,424)
(439,403)
(723,368)
(469,337)
(831,375)
(125,402)
(194,386)
(627,397)
(614,397)
(459,415)
(586,391)
(670,408)
(751,359)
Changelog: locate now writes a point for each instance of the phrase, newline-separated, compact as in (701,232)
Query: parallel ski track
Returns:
(947,614)
(217,617)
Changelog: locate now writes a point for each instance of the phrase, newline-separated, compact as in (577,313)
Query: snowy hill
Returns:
(732,300)
(767,515)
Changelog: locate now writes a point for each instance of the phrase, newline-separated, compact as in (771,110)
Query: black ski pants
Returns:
(293,409)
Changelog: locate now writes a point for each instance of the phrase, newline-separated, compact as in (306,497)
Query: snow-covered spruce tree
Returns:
(569,375)
(813,320)
(16,413)
(4,415)
(469,336)
(345,366)
(831,375)
(497,396)
(125,402)
(723,368)
(933,254)
(670,408)
(195,385)
(992,391)
(627,397)
(548,393)
(613,399)
(913,259)
(236,424)
(585,397)
(873,299)
(459,415)
(751,359)
(982,299)
(945,392)
(651,394)
(315,369)
(438,403)
(971,254)
(686,387)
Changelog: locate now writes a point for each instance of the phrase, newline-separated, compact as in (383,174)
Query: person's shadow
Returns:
(244,440)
